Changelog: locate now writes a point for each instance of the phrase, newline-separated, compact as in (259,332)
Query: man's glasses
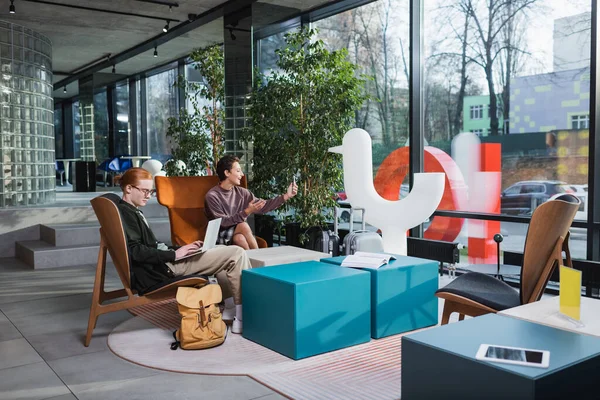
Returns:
(146,192)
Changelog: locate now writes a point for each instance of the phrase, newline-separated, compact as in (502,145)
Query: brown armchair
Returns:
(477,294)
(184,197)
(112,238)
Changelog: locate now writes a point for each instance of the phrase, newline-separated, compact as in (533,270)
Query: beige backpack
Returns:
(202,325)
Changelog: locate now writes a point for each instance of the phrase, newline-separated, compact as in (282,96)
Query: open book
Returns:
(362,259)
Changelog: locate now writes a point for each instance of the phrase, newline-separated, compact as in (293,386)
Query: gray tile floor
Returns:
(43,319)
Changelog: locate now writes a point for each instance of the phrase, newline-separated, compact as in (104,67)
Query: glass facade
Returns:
(123,138)
(58,133)
(525,108)
(527,105)
(161,99)
(510,132)
(100,127)
(27,137)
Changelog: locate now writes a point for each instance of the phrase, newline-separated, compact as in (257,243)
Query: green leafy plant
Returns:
(197,135)
(297,113)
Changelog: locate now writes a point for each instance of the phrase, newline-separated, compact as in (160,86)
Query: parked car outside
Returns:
(525,196)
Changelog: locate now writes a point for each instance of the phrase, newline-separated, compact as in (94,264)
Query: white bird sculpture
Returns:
(394,218)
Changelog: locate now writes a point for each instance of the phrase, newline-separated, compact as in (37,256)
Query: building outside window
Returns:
(540,99)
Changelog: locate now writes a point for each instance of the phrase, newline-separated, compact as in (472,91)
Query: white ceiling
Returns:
(82,36)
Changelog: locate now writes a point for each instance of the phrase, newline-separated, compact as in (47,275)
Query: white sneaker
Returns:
(228,314)
(236,327)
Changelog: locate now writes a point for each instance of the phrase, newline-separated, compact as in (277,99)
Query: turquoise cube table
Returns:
(440,363)
(402,295)
(307,308)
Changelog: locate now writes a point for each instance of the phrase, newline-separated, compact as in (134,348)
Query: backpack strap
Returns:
(176,344)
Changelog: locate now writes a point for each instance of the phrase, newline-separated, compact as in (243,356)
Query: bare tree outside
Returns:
(374,35)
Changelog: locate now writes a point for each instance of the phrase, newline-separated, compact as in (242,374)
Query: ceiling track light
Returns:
(114,70)
(231,34)
(65,89)
(155,52)
(11,9)
(166,27)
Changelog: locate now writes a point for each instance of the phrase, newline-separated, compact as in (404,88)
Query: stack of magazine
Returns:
(362,259)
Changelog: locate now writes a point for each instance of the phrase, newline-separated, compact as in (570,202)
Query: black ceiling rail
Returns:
(160,2)
(91,63)
(219,11)
(102,10)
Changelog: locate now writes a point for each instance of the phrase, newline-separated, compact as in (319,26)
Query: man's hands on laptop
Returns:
(188,249)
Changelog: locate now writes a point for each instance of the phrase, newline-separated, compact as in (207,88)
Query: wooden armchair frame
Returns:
(547,237)
(112,238)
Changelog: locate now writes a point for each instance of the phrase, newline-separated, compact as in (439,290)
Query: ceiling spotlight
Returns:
(65,89)
(155,52)
(233,37)
(11,9)
(170,9)
(114,69)
(166,27)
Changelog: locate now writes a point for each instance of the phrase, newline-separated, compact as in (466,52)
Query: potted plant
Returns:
(298,112)
(197,135)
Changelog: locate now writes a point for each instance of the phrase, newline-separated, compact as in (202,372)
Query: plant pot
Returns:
(264,226)
(292,234)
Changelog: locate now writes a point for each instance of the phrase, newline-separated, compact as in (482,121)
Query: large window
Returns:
(122,130)
(376,36)
(100,126)
(76,129)
(58,132)
(161,97)
(529,66)
(266,58)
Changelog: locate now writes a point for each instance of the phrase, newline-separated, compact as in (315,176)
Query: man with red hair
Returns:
(153,262)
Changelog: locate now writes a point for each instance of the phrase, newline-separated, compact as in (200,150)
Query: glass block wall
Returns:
(26,119)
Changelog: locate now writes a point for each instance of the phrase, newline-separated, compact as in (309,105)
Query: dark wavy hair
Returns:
(225,164)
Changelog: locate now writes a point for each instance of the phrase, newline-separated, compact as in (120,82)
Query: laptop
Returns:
(210,238)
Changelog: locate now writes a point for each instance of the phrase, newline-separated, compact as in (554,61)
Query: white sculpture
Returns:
(394,218)
(152,166)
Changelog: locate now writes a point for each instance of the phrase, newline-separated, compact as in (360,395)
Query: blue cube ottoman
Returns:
(402,295)
(307,308)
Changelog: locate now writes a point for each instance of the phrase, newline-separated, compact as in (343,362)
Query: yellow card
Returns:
(570,292)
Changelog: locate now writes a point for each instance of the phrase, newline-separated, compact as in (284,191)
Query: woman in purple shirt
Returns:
(234,204)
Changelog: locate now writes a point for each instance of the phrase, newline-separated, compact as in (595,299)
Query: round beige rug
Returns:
(140,342)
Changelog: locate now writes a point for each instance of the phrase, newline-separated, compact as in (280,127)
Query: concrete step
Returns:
(66,245)
(68,235)
(38,254)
